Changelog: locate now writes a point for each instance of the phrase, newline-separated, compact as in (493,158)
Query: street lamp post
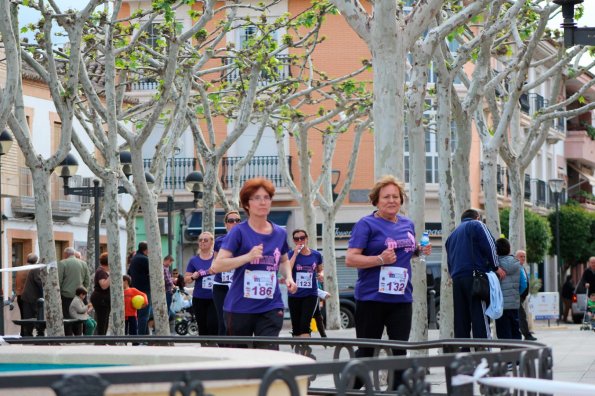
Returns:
(193,183)
(572,34)
(5,144)
(68,168)
(556,186)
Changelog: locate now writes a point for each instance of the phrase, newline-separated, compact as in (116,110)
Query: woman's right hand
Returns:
(255,253)
(388,256)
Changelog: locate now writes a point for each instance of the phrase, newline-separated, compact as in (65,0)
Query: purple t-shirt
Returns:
(255,288)
(219,276)
(374,235)
(304,273)
(203,286)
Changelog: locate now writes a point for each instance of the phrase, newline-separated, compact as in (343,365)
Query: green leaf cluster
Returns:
(538,234)
(577,233)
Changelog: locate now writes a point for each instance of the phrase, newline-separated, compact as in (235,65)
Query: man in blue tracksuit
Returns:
(470,247)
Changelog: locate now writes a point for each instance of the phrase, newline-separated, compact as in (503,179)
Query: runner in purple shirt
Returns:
(256,249)
(306,264)
(198,271)
(223,279)
(381,247)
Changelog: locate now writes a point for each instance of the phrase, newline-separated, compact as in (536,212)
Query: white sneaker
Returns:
(322,294)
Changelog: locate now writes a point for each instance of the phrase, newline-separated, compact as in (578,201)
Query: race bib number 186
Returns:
(259,284)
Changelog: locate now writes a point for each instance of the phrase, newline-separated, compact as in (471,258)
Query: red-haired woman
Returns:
(256,249)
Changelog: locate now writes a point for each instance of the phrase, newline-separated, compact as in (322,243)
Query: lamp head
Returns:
(556,185)
(5,142)
(126,163)
(68,167)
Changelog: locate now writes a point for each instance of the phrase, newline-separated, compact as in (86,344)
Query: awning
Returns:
(588,177)
(194,227)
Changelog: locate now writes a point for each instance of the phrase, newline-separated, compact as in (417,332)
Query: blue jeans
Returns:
(168,298)
(143,318)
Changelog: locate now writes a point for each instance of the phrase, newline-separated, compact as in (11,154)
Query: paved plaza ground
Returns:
(573,351)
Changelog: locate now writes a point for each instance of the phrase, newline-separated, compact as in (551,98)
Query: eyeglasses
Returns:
(204,239)
(231,221)
(300,238)
(265,198)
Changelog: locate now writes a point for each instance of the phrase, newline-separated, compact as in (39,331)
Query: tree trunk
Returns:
(490,190)
(113,243)
(333,320)
(516,223)
(388,54)
(91,243)
(47,253)
(131,230)
(208,197)
(149,208)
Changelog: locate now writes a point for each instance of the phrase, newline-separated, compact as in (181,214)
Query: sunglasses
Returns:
(231,221)
(204,239)
(300,238)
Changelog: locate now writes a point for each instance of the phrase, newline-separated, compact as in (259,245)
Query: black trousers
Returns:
(206,317)
(302,310)
(468,311)
(265,324)
(524,324)
(219,294)
(371,317)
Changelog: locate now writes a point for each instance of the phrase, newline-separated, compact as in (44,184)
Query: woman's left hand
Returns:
(426,250)
(291,286)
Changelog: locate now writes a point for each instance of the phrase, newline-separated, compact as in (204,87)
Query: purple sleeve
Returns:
(232,241)
(190,267)
(359,235)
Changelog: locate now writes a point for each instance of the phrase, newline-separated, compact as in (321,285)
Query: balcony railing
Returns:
(263,166)
(175,171)
(283,71)
(532,103)
(145,84)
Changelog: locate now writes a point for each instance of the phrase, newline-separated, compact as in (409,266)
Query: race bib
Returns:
(393,280)
(304,280)
(226,276)
(259,284)
(207,282)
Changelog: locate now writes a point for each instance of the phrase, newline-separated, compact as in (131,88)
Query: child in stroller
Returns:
(589,318)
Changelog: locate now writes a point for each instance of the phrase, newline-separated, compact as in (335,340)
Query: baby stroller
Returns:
(185,320)
(588,318)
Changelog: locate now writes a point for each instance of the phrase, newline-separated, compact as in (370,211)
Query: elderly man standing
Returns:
(521,255)
(470,248)
(588,278)
(72,273)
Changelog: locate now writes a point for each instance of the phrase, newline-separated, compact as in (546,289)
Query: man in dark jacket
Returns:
(32,291)
(588,278)
(139,272)
(470,247)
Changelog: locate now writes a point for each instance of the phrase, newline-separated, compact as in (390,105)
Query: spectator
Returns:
(139,272)
(32,291)
(507,326)
(72,274)
(167,279)
(198,271)
(223,280)
(470,248)
(20,280)
(130,313)
(381,247)
(521,255)
(588,278)
(79,310)
(100,298)
(256,249)
(178,279)
(567,294)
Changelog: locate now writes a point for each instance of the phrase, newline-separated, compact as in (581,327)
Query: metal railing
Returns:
(260,166)
(175,171)
(282,72)
(145,84)
(447,358)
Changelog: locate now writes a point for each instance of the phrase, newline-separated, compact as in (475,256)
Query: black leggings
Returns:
(265,324)
(219,293)
(302,310)
(206,317)
(370,319)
